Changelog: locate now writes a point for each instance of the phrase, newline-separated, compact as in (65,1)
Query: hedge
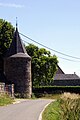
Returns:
(56,89)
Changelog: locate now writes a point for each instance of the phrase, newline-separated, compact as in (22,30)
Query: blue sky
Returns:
(54,23)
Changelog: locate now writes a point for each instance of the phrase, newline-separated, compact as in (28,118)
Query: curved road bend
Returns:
(26,110)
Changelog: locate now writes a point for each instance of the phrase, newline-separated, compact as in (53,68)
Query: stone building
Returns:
(62,79)
(2,76)
(17,67)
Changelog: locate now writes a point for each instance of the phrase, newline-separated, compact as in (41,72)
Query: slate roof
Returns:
(16,46)
(59,71)
(66,77)
(60,75)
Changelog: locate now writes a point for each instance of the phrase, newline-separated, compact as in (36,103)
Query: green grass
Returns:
(51,96)
(46,96)
(65,108)
(52,112)
(5,100)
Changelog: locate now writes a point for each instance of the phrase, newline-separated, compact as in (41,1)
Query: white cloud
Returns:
(11,5)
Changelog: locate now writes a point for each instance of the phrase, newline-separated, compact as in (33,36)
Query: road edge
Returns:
(40,116)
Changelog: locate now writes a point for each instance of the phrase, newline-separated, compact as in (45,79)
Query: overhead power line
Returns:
(69,59)
(50,48)
(58,56)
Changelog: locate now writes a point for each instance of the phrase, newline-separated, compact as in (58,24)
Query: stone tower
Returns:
(17,67)
(1,64)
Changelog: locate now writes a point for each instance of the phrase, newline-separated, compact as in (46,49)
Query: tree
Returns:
(6,35)
(44,65)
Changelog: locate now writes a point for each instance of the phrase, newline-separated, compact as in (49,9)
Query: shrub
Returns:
(70,106)
(65,108)
(5,99)
(56,89)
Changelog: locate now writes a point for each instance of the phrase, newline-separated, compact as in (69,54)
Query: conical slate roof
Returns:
(17,47)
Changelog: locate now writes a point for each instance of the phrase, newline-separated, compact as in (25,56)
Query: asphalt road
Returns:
(26,110)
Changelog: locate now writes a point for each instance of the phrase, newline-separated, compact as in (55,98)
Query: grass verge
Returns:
(5,99)
(52,112)
(65,108)
(46,95)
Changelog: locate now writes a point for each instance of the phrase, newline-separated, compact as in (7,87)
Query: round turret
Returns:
(17,67)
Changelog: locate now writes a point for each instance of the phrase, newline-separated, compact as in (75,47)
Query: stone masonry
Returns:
(17,67)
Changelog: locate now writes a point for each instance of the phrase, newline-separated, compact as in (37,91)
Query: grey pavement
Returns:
(26,110)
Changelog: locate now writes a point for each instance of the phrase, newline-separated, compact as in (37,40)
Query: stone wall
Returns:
(2,87)
(8,89)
